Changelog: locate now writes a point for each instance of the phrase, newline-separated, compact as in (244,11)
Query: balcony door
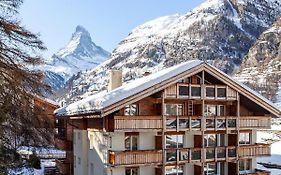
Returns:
(131,141)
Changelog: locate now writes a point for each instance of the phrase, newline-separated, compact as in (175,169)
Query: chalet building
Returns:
(190,119)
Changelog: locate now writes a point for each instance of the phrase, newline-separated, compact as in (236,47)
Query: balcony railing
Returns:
(254,150)
(261,122)
(183,123)
(186,155)
(119,158)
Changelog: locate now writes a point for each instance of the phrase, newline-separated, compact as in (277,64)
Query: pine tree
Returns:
(19,82)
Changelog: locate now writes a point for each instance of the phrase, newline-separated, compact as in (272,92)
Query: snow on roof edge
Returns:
(103,99)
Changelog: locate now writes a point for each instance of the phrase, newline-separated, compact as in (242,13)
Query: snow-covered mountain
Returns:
(80,54)
(221,31)
(261,68)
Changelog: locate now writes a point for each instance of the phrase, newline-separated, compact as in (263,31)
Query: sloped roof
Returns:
(104,99)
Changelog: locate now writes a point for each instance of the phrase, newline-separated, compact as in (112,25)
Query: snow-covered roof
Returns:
(104,99)
(100,101)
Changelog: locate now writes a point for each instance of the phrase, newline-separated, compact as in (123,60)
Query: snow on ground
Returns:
(32,171)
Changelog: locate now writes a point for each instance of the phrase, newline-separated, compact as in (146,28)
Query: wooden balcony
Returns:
(261,122)
(186,155)
(254,150)
(137,122)
(123,158)
(184,123)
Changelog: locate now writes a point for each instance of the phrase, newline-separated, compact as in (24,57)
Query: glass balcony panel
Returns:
(210,123)
(171,155)
(232,152)
(196,123)
(232,123)
(196,155)
(221,92)
(221,153)
(210,154)
(221,123)
(183,123)
(171,123)
(210,92)
(183,90)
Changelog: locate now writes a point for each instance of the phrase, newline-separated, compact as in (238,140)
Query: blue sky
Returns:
(108,21)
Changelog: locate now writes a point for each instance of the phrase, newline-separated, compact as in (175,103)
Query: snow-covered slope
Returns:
(80,54)
(262,66)
(218,30)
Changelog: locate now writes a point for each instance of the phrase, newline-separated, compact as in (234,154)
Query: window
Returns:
(131,171)
(245,165)
(131,110)
(131,142)
(244,138)
(174,170)
(173,109)
(183,90)
(174,141)
(79,135)
(210,140)
(221,92)
(196,91)
(214,110)
(79,161)
(210,92)
(214,168)
(92,168)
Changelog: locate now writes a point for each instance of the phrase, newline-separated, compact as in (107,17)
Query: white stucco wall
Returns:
(188,169)
(147,140)
(80,151)
(118,141)
(97,152)
(147,170)
(254,136)
(189,139)
(118,171)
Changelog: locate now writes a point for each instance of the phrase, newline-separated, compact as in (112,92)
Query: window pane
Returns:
(183,123)
(221,92)
(171,109)
(244,138)
(171,156)
(232,123)
(131,110)
(183,90)
(221,110)
(171,123)
(196,123)
(128,143)
(210,92)
(211,110)
(196,91)
(171,141)
(220,123)
(134,142)
(210,123)
(210,140)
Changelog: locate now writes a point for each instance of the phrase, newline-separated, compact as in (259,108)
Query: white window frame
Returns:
(244,134)
(131,142)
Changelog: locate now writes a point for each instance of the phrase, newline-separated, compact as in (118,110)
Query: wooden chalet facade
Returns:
(191,119)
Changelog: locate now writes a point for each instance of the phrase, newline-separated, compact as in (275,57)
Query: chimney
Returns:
(115,79)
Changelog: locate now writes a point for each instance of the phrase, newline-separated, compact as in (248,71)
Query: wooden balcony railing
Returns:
(183,123)
(139,157)
(261,122)
(186,155)
(254,150)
